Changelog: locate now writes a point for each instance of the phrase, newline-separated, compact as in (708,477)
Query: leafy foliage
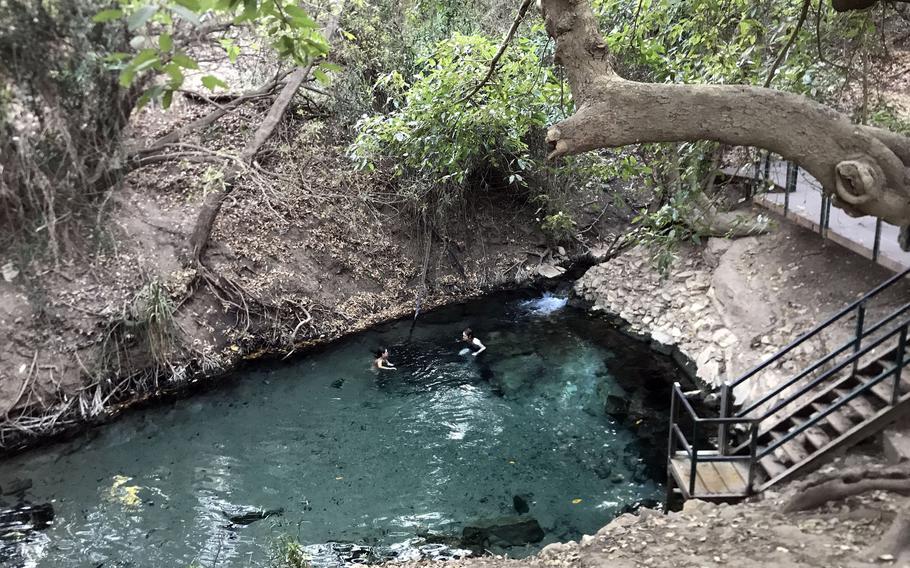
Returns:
(162,30)
(60,113)
(719,42)
(435,134)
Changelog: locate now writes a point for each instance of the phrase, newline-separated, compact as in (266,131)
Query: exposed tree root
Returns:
(848,483)
(896,540)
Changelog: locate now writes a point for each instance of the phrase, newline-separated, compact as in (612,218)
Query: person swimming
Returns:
(474,344)
(382,360)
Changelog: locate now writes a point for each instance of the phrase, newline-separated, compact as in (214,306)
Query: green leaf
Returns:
(186,14)
(107,16)
(210,82)
(165,42)
(167,98)
(185,61)
(175,74)
(299,16)
(330,67)
(321,77)
(139,18)
(193,5)
(126,77)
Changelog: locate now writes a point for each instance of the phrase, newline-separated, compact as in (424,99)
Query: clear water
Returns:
(376,460)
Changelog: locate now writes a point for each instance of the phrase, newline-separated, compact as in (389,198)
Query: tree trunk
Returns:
(212,203)
(860,167)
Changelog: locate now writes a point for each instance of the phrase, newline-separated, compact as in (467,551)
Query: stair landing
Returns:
(714,480)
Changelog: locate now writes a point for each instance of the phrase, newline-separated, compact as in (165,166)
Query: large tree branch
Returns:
(861,168)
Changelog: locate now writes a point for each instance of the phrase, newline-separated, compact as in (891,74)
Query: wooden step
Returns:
(794,450)
(839,420)
(883,390)
(771,466)
(816,437)
(809,400)
(860,404)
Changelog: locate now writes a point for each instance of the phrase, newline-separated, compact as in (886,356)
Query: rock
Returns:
(25,518)
(520,504)
(554,550)
(550,271)
(17,486)
(9,271)
(503,531)
(250,516)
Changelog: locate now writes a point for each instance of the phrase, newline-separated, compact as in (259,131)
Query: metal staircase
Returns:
(852,392)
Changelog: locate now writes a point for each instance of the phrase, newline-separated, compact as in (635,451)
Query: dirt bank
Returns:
(305,251)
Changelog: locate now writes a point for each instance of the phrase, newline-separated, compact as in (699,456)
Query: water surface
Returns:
(549,416)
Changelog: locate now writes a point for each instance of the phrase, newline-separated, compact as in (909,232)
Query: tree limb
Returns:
(522,10)
(212,203)
(858,167)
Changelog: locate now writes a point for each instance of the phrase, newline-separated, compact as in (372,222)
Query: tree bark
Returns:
(847,483)
(861,168)
(212,203)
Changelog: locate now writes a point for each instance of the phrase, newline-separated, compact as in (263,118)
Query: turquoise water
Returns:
(394,465)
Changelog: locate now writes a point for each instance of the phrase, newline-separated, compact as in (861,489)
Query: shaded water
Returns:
(560,416)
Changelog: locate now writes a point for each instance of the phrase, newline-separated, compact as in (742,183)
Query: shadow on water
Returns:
(558,427)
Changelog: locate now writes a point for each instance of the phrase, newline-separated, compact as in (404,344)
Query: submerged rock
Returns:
(503,532)
(25,518)
(520,504)
(249,516)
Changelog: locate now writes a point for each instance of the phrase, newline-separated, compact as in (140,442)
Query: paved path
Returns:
(804,208)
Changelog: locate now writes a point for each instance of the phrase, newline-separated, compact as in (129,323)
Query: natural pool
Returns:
(561,421)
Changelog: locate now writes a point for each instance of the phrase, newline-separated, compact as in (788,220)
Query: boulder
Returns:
(503,532)
(551,271)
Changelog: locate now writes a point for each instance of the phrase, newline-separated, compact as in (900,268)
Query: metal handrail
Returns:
(860,303)
(836,405)
(830,373)
(678,437)
(727,419)
(821,362)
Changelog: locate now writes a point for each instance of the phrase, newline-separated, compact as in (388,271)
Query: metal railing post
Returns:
(724,413)
(899,361)
(693,466)
(858,344)
(877,243)
(821,215)
(790,186)
(753,449)
(674,415)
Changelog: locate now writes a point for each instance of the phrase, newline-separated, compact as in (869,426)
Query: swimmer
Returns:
(474,344)
(382,360)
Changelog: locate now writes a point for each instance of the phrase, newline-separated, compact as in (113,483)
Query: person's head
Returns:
(467,334)
(382,353)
